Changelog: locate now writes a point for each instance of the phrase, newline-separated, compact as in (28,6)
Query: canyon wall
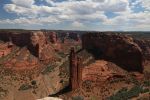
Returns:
(16,38)
(119,49)
(145,46)
(35,41)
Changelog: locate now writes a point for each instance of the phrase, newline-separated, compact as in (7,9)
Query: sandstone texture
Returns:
(145,47)
(19,39)
(37,64)
(37,56)
(34,40)
(53,37)
(120,49)
(101,71)
(4,49)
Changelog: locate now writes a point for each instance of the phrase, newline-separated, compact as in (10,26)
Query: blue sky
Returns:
(100,15)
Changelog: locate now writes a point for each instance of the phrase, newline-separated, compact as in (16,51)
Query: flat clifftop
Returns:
(117,48)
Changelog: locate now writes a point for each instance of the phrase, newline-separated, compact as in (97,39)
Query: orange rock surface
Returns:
(120,49)
(4,50)
(100,71)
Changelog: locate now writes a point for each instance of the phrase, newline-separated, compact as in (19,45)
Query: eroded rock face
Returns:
(36,51)
(40,47)
(53,37)
(145,46)
(101,71)
(16,38)
(5,49)
(37,42)
(38,38)
(120,49)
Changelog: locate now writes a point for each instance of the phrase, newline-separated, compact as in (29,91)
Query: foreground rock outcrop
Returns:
(101,70)
(120,49)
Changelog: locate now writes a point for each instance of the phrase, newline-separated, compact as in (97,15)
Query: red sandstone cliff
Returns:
(120,49)
(145,46)
(36,42)
(20,39)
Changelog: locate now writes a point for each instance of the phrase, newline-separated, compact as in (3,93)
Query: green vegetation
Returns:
(117,80)
(78,47)
(145,90)
(25,87)
(3,92)
(33,82)
(2,59)
(147,83)
(134,92)
(48,69)
(94,98)
(120,95)
(64,70)
(133,80)
(1,65)
(125,94)
(34,85)
(64,82)
(77,98)
(62,54)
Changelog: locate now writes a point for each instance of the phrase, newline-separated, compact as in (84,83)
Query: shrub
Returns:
(77,98)
(48,69)
(25,87)
(125,94)
(33,82)
(3,92)
(134,81)
(145,90)
(134,92)
(147,83)
(120,95)
(62,54)
(94,98)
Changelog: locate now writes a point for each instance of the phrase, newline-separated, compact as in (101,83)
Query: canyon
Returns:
(123,50)
(42,63)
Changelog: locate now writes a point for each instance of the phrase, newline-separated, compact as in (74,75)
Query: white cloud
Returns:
(66,8)
(19,10)
(30,21)
(77,24)
(23,3)
(78,13)
(146,4)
